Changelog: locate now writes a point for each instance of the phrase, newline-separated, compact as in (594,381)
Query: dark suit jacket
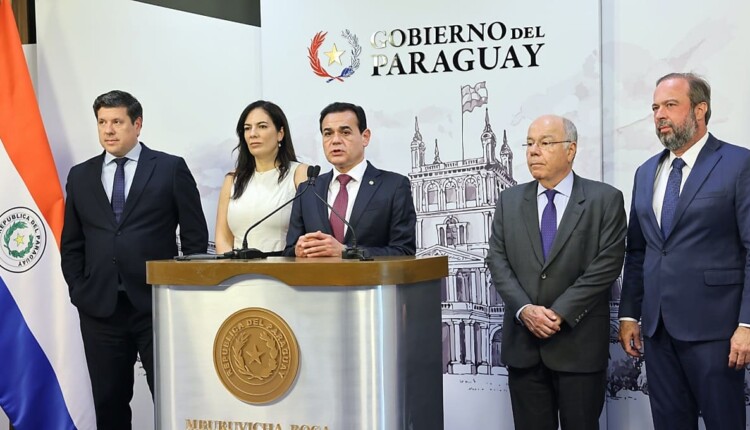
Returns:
(383,216)
(585,259)
(696,278)
(97,251)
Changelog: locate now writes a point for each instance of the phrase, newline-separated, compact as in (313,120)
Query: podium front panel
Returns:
(369,356)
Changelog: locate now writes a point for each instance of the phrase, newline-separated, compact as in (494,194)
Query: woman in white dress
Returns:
(266,175)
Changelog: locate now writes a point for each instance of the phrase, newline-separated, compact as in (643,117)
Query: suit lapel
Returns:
(531,220)
(646,194)
(143,172)
(704,164)
(94,177)
(570,218)
(321,187)
(367,189)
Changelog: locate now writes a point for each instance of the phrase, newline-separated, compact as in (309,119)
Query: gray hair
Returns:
(571,133)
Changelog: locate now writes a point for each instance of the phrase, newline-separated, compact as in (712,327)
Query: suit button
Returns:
(119,233)
(114,261)
(544,276)
(664,252)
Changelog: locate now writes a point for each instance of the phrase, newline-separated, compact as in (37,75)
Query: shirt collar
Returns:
(564,187)
(133,154)
(356,172)
(691,155)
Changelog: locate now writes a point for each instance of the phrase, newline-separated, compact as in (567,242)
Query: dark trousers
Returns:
(111,345)
(539,394)
(687,377)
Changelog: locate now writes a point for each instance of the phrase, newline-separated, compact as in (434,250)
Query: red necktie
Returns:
(339,206)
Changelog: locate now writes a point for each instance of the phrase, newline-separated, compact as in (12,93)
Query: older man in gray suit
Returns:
(557,246)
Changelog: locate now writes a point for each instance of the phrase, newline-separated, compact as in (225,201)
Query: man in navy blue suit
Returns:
(377,204)
(686,270)
(123,208)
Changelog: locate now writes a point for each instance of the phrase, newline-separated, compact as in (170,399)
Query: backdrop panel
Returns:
(449,101)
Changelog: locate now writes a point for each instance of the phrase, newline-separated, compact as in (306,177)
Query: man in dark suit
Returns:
(686,276)
(377,203)
(557,245)
(122,209)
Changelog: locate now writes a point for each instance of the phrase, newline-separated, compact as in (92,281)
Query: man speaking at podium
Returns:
(377,204)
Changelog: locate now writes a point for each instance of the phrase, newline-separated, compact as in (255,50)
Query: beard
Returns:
(680,135)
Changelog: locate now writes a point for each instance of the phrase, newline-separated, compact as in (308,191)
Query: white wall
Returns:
(192,74)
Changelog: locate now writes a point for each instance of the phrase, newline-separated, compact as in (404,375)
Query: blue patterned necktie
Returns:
(118,188)
(548,227)
(671,195)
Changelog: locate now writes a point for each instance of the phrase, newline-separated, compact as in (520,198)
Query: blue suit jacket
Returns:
(383,216)
(97,251)
(696,278)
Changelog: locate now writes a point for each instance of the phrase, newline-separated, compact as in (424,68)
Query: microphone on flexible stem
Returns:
(312,173)
(350,252)
(252,253)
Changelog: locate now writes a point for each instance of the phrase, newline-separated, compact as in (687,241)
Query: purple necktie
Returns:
(671,195)
(118,188)
(548,228)
(340,205)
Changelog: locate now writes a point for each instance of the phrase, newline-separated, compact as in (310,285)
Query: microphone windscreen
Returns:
(310,171)
(316,171)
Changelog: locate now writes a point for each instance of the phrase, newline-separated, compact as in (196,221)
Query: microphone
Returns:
(351,252)
(312,174)
(252,253)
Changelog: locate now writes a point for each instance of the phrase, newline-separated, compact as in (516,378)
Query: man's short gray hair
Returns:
(571,133)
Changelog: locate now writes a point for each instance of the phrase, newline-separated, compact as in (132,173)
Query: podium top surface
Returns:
(301,271)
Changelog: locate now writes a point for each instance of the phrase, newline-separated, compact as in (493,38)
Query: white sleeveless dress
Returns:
(263,194)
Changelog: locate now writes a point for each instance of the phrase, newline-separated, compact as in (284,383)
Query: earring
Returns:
(279,144)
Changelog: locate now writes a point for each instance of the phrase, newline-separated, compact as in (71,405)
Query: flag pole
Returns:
(462,125)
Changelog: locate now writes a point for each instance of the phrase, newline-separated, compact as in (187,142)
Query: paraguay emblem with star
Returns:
(23,238)
(256,355)
(335,56)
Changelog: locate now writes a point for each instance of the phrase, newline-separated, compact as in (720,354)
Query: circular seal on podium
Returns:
(256,355)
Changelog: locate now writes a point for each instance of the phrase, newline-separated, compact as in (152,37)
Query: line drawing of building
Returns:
(455,202)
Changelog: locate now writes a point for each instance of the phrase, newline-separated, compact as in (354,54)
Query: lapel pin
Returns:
(372,182)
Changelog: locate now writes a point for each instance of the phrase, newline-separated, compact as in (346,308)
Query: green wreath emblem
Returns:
(6,240)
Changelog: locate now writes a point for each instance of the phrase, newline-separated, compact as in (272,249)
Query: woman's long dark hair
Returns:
(245,166)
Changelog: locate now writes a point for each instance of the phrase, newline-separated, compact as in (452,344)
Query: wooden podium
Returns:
(298,344)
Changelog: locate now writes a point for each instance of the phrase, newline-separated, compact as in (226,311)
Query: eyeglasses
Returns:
(544,145)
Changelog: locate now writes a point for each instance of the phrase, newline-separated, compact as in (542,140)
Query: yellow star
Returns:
(334,55)
(19,239)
